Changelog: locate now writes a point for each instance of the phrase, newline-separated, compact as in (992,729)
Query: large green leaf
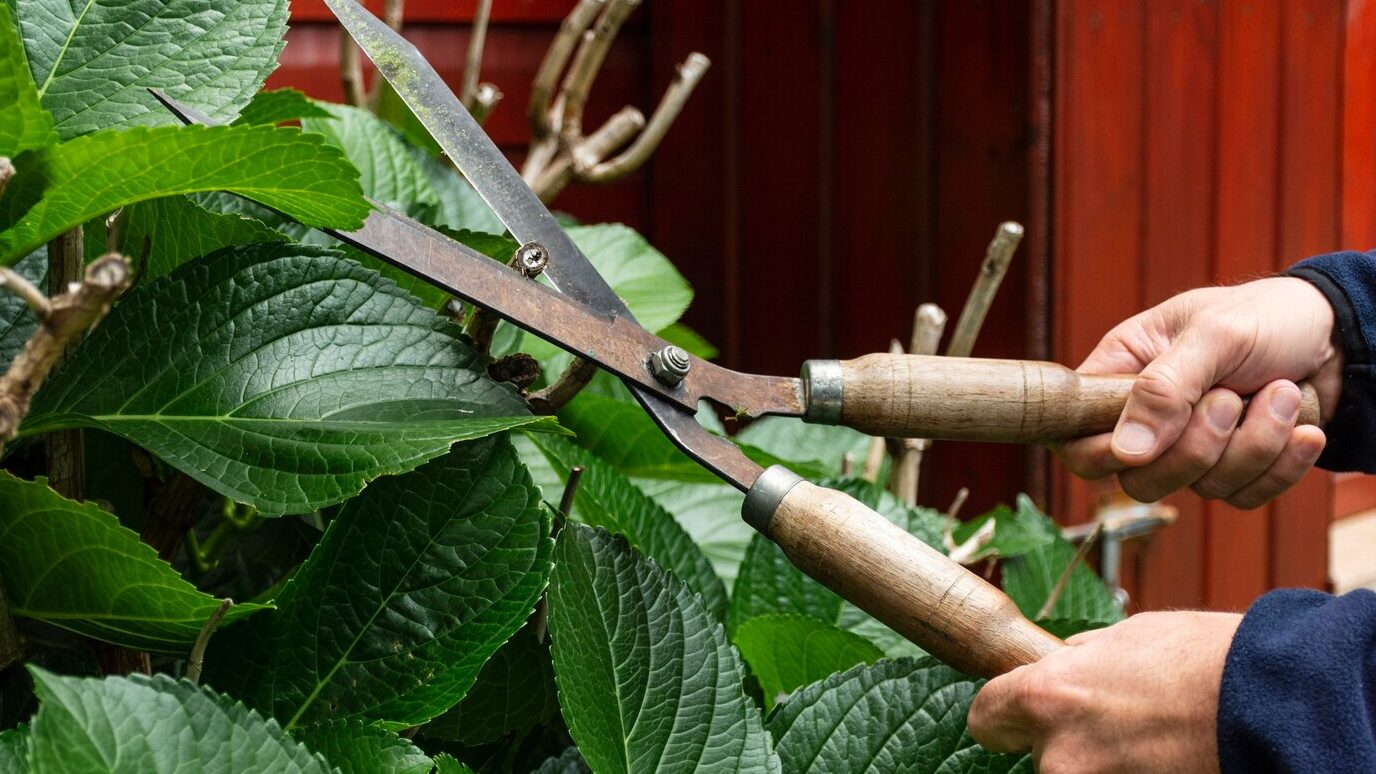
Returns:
(792,439)
(607,499)
(59,187)
(893,716)
(647,680)
(460,206)
(769,584)
(514,693)
(138,724)
(787,652)
(17,321)
(569,761)
(388,172)
(177,230)
(14,750)
(354,747)
(24,124)
(278,105)
(1014,533)
(278,375)
(94,60)
(414,585)
(1030,577)
(711,513)
(72,564)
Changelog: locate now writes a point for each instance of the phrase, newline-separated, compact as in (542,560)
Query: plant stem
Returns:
(557,395)
(351,70)
(540,619)
(11,642)
(66,456)
(996,260)
(476,38)
(1069,570)
(171,514)
(688,76)
(196,661)
(929,322)
(542,123)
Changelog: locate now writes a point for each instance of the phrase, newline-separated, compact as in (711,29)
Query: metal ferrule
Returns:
(822,391)
(764,497)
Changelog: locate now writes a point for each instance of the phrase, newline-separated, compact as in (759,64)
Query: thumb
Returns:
(1163,397)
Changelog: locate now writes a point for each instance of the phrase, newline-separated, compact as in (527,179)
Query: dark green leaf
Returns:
(95,60)
(514,693)
(448,764)
(902,715)
(389,173)
(414,585)
(177,230)
(768,584)
(139,724)
(390,107)
(1029,578)
(280,376)
(17,321)
(73,565)
(278,105)
(607,499)
(24,124)
(356,748)
(65,185)
(1064,628)
(647,680)
(787,652)
(14,750)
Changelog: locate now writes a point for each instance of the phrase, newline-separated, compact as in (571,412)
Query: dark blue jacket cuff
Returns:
(1348,281)
(1299,686)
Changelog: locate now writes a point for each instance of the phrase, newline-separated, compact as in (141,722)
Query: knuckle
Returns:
(1158,387)
(1139,487)
(1210,489)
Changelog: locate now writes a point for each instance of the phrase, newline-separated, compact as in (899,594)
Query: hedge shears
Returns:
(911,587)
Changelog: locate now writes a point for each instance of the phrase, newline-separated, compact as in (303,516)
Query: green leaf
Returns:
(72,565)
(569,761)
(688,339)
(24,124)
(388,172)
(278,105)
(57,188)
(177,230)
(460,206)
(356,748)
(607,499)
(514,693)
(902,715)
(17,321)
(769,584)
(1013,534)
(1030,577)
(647,680)
(139,724)
(95,60)
(448,764)
(14,750)
(711,513)
(787,652)
(796,441)
(925,524)
(414,585)
(280,376)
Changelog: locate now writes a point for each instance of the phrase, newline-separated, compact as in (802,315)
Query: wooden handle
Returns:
(973,399)
(942,607)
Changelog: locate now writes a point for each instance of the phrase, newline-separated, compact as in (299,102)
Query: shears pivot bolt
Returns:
(670,365)
(531,258)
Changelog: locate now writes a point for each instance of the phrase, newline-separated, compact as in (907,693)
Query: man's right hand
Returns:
(1183,425)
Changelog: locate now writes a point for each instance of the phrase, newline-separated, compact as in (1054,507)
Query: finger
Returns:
(1199,448)
(1305,446)
(1083,637)
(1089,458)
(1257,443)
(1163,397)
(1124,350)
(1000,718)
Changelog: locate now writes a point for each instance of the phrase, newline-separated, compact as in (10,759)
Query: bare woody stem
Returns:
(557,395)
(995,266)
(1059,588)
(929,322)
(351,70)
(65,451)
(196,661)
(587,62)
(469,94)
(392,13)
(617,131)
(556,59)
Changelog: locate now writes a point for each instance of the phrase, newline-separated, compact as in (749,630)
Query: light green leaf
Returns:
(787,652)
(460,206)
(14,750)
(94,60)
(1030,577)
(388,172)
(893,716)
(414,585)
(514,693)
(57,188)
(177,230)
(448,764)
(138,724)
(689,339)
(278,105)
(24,124)
(712,515)
(73,565)
(356,748)
(607,499)
(1013,534)
(815,446)
(17,321)
(647,680)
(280,376)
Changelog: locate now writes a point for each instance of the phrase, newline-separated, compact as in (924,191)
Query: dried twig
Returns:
(556,59)
(196,661)
(562,169)
(486,99)
(688,76)
(6,172)
(996,260)
(392,13)
(847,464)
(874,460)
(587,63)
(476,37)
(929,322)
(351,70)
(1069,570)
(564,389)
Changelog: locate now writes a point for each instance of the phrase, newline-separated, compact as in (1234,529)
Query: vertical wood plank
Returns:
(1359,126)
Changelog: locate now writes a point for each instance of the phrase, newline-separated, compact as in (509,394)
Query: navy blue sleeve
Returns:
(1299,686)
(1348,281)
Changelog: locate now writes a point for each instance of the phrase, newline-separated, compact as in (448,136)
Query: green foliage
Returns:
(389,174)
(177,230)
(1014,532)
(647,680)
(73,565)
(14,750)
(279,105)
(62,186)
(514,693)
(787,652)
(1030,577)
(24,124)
(279,375)
(356,748)
(95,60)
(17,321)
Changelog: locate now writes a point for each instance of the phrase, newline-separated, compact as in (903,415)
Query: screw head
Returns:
(669,365)
(531,258)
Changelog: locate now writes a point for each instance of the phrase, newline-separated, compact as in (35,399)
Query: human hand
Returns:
(1140,696)
(1183,425)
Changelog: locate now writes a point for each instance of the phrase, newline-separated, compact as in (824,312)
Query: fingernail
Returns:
(1223,414)
(1134,438)
(1285,404)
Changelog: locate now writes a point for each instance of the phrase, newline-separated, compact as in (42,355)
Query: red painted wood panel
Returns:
(536,11)
(1359,127)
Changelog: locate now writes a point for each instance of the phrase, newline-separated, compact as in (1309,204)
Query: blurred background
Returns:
(842,162)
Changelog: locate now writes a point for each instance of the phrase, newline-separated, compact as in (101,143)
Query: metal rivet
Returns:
(670,365)
(531,258)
